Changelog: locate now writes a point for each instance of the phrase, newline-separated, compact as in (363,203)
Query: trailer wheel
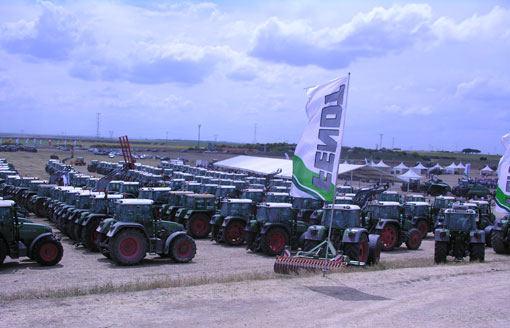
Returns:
(3,251)
(423,228)
(47,251)
(275,241)
(358,251)
(413,239)
(440,252)
(182,249)
(234,233)
(374,249)
(498,242)
(198,225)
(128,247)
(477,253)
(389,237)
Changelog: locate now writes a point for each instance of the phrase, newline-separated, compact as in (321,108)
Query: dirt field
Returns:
(231,287)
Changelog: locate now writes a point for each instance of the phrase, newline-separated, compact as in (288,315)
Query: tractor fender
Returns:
(381,224)
(501,224)
(232,218)
(488,231)
(270,226)
(41,236)
(315,232)
(93,216)
(252,226)
(118,226)
(477,237)
(445,237)
(172,237)
(356,237)
(214,219)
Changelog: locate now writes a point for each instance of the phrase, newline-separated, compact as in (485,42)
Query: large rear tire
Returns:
(274,241)
(182,249)
(198,225)
(128,247)
(389,237)
(498,242)
(413,241)
(234,233)
(358,251)
(477,253)
(440,252)
(3,251)
(89,235)
(47,251)
(374,249)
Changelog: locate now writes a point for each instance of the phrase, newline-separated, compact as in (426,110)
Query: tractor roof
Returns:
(253,190)
(390,192)
(417,203)
(343,198)
(348,207)
(276,205)
(132,201)
(416,196)
(116,181)
(240,200)
(386,203)
(480,202)
(460,210)
(131,183)
(156,189)
(200,195)
(226,187)
(181,192)
(39,182)
(110,196)
(7,203)
(278,193)
(446,197)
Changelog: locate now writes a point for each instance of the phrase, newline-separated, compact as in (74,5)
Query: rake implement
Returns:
(314,260)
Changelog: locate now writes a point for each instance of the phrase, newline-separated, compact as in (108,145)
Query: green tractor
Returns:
(389,196)
(277,197)
(37,201)
(92,166)
(275,226)
(441,203)
(347,235)
(134,231)
(20,238)
(196,214)
(458,236)
(257,195)
(176,200)
(228,225)
(501,235)
(470,190)
(387,219)
(420,216)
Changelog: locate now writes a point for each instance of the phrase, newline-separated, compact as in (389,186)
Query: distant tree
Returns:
(471,151)
(483,158)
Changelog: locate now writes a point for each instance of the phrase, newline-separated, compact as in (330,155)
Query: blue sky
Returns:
(428,75)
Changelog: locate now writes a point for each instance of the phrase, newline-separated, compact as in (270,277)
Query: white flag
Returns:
(503,190)
(317,155)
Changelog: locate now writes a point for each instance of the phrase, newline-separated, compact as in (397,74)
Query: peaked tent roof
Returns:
(410,174)
(437,166)
(381,164)
(487,168)
(451,166)
(461,166)
(401,166)
(420,166)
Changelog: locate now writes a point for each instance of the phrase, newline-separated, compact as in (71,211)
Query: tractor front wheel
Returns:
(498,242)
(413,239)
(477,253)
(423,228)
(440,252)
(275,241)
(358,251)
(48,251)
(182,249)
(128,247)
(389,237)
(234,233)
(198,225)
(374,249)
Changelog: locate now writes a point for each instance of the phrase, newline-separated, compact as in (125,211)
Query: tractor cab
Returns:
(159,195)
(113,186)
(388,196)
(208,188)
(419,214)
(306,207)
(257,195)
(129,189)
(415,198)
(228,225)
(344,189)
(176,184)
(228,191)
(278,197)
(192,186)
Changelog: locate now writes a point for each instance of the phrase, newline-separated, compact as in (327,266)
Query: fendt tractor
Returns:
(228,225)
(20,238)
(458,236)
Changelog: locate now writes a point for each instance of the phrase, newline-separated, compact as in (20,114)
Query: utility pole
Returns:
(215,138)
(111,134)
(98,117)
(392,142)
(198,143)
(380,140)
(255,133)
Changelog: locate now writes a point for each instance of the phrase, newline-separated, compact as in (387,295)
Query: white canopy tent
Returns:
(486,170)
(399,169)
(410,174)
(383,167)
(436,167)
(450,169)
(419,168)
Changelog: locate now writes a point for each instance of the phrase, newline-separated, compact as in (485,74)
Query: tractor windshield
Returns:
(306,203)
(341,218)
(459,221)
(145,194)
(442,203)
(131,213)
(274,214)
(386,212)
(484,208)
(5,214)
(388,197)
(239,209)
(413,210)
(83,202)
(130,188)
(255,196)
(71,200)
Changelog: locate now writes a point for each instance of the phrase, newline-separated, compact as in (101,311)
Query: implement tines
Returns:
(285,265)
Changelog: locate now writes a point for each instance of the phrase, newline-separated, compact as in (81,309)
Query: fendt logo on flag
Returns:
(503,190)
(317,155)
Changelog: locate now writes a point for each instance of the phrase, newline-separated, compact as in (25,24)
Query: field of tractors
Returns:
(232,287)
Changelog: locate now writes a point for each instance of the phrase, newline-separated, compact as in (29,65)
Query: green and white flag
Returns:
(317,155)
(503,191)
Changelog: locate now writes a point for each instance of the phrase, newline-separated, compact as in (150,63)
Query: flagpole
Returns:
(335,178)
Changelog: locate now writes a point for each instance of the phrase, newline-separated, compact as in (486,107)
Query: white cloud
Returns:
(485,89)
(409,110)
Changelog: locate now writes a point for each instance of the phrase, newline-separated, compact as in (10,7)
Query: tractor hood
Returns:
(29,231)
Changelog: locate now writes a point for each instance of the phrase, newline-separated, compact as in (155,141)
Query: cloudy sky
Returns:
(431,75)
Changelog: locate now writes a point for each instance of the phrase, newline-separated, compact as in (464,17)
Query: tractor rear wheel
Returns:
(389,237)
(234,233)
(182,249)
(423,228)
(477,253)
(3,251)
(274,241)
(128,247)
(198,225)
(89,235)
(76,232)
(413,241)
(374,249)
(358,251)
(440,252)
(498,242)
(47,251)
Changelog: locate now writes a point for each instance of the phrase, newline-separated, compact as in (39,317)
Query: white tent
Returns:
(399,169)
(461,166)
(410,174)
(419,168)
(436,167)
(486,170)
(383,167)
(450,169)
